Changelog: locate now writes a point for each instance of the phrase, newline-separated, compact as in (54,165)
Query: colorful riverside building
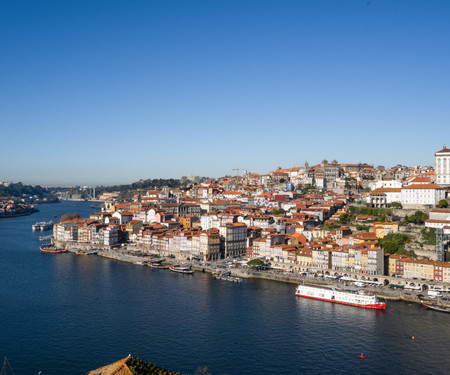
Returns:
(401,265)
(358,259)
(383,229)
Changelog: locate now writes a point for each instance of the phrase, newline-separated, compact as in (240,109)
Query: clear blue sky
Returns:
(104,92)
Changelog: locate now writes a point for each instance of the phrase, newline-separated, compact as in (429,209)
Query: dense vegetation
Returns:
(255,262)
(429,236)
(149,184)
(372,211)
(19,189)
(394,243)
(442,203)
(331,226)
(66,217)
(140,367)
(395,205)
(380,214)
(418,217)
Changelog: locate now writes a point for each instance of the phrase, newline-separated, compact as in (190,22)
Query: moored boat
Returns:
(49,248)
(345,297)
(42,226)
(185,270)
(436,308)
(157,265)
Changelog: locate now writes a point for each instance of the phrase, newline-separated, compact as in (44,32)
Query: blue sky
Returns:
(105,92)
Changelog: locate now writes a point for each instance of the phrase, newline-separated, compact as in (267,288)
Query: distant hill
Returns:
(19,190)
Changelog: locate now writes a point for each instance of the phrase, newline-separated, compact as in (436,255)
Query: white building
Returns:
(442,167)
(421,195)
(111,235)
(388,183)
(381,197)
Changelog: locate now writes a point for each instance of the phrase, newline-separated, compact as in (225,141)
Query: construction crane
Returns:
(237,174)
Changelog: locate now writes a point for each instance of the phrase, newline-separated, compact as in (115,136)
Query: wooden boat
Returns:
(437,308)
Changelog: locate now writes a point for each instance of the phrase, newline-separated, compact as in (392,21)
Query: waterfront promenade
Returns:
(133,254)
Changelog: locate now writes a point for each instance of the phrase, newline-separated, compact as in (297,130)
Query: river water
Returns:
(68,314)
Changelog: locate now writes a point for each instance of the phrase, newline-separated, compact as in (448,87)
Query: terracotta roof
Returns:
(445,149)
(386,190)
(117,368)
(423,186)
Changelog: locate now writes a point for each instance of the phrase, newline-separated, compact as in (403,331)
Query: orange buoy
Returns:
(412,337)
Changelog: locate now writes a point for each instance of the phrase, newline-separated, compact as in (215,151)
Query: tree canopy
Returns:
(66,217)
(442,203)
(255,262)
(394,243)
(418,217)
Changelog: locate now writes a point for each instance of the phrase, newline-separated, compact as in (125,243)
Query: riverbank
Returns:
(19,214)
(132,255)
(135,255)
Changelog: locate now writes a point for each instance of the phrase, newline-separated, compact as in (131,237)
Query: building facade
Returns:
(442,167)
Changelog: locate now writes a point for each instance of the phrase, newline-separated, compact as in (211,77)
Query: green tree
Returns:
(331,226)
(66,217)
(442,203)
(428,236)
(394,243)
(418,217)
(395,205)
(255,262)
(345,218)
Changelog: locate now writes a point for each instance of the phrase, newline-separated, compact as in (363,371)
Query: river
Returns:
(68,314)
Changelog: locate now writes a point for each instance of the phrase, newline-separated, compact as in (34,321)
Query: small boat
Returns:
(49,248)
(228,278)
(157,265)
(437,308)
(186,270)
(92,252)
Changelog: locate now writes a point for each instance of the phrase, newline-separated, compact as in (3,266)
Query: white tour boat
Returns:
(345,297)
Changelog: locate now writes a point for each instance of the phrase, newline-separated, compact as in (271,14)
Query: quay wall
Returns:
(133,254)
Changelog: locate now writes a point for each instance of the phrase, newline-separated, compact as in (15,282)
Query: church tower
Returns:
(442,167)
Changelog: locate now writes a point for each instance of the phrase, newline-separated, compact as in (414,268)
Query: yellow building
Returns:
(421,269)
(383,229)
(393,259)
(187,221)
(304,257)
